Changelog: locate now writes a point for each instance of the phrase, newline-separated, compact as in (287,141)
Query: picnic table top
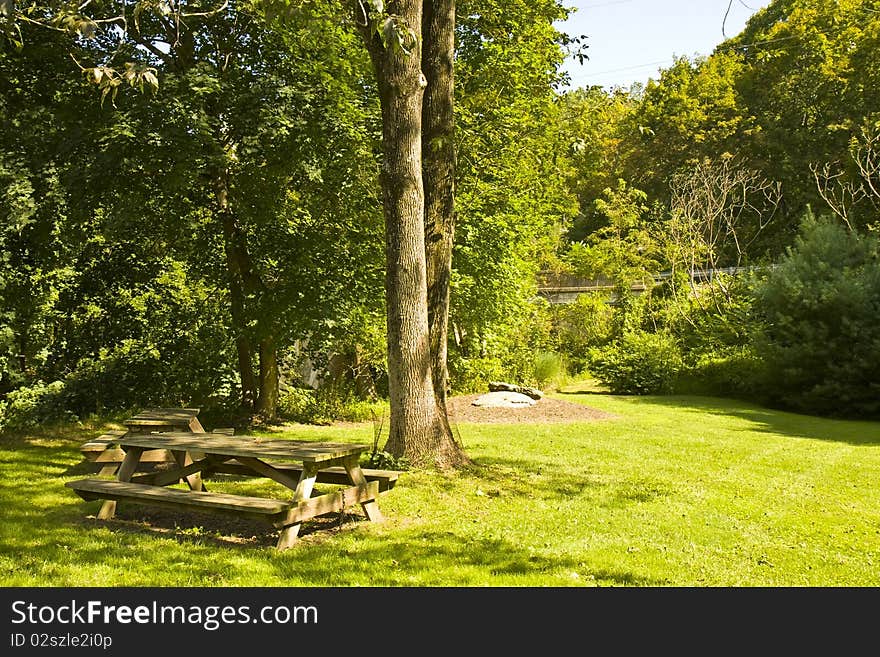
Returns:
(182,417)
(245,446)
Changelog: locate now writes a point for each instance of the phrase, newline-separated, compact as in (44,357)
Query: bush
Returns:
(30,406)
(549,368)
(469,375)
(582,325)
(326,405)
(820,315)
(638,363)
(729,373)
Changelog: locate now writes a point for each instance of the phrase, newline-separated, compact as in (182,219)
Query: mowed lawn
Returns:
(673,491)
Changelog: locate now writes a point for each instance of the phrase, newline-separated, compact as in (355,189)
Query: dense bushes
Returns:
(819,312)
(802,334)
(638,362)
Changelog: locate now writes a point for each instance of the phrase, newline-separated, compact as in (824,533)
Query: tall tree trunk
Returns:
(267,401)
(417,431)
(438,174)
(236,295)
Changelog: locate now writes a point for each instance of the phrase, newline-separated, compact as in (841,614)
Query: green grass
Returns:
(675,491)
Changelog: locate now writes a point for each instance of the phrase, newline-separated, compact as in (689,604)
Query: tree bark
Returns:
(417,431)
(438,175)
(267,402)
(236,295)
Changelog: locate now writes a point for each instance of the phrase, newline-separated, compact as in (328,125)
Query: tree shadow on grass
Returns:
(513,477)
(769,420)
(459,559)
(216,549)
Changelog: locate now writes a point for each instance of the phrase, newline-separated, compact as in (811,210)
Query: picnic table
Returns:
(296,465)
(153,420)
(157,442)
(103,454)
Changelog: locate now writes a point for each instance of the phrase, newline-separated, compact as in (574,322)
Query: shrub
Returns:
(736,372)
(820,315)
(32,405)
(582,325)
(638,363)
(549,368)
(325,405)
(473,374)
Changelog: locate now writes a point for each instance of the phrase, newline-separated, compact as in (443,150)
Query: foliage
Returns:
(623,249)
(733,372)
(581,325)
(511,197)
(637,363)
(326,405)
(694,111)
(28,407)
(595,125)
(549,368)
(820,316)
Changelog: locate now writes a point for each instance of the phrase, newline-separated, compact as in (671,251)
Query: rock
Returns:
(504,399)
(495,386)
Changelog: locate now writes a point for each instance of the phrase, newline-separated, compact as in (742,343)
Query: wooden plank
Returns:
(166,477)
(256,465)
(249,446)
(165,420)
(304,487)
(126,469)
(178,416)
(333,475)
(371,507)
(184,459)
(102,441)
(195,426)
(92,489)
(330,502)
(116,455)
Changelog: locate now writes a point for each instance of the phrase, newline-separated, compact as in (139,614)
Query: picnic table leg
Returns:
(194,481)
(303,492)
(126,470)
(195,426)
(356,475)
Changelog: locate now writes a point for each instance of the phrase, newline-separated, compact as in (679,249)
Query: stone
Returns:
(495,386)
(504,399)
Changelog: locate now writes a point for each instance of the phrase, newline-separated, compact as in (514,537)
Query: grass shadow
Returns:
(769,420)
(425,551)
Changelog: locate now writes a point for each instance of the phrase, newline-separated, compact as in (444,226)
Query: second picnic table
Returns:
(279,460)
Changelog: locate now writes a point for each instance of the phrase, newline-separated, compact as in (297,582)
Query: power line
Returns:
(721,47)
(606,4)
(627,68)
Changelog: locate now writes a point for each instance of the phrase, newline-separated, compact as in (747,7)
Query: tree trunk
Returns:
(236,296)
(417,431)
(438,174)
(267,402)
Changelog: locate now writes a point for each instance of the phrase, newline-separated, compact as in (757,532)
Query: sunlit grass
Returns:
(672,492)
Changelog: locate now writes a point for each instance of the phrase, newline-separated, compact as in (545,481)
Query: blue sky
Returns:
(631,40)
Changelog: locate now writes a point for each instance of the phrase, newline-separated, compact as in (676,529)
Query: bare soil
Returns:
(547,410)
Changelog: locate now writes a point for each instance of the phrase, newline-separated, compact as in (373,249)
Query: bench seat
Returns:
(95,489)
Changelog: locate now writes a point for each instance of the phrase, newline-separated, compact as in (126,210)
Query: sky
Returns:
(632,40)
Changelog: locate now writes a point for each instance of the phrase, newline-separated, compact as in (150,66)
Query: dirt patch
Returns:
(547,410)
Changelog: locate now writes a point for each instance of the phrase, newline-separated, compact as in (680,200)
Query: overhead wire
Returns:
(720,47)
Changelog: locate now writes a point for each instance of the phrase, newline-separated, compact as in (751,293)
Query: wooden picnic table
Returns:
(154,420)
(257,456)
